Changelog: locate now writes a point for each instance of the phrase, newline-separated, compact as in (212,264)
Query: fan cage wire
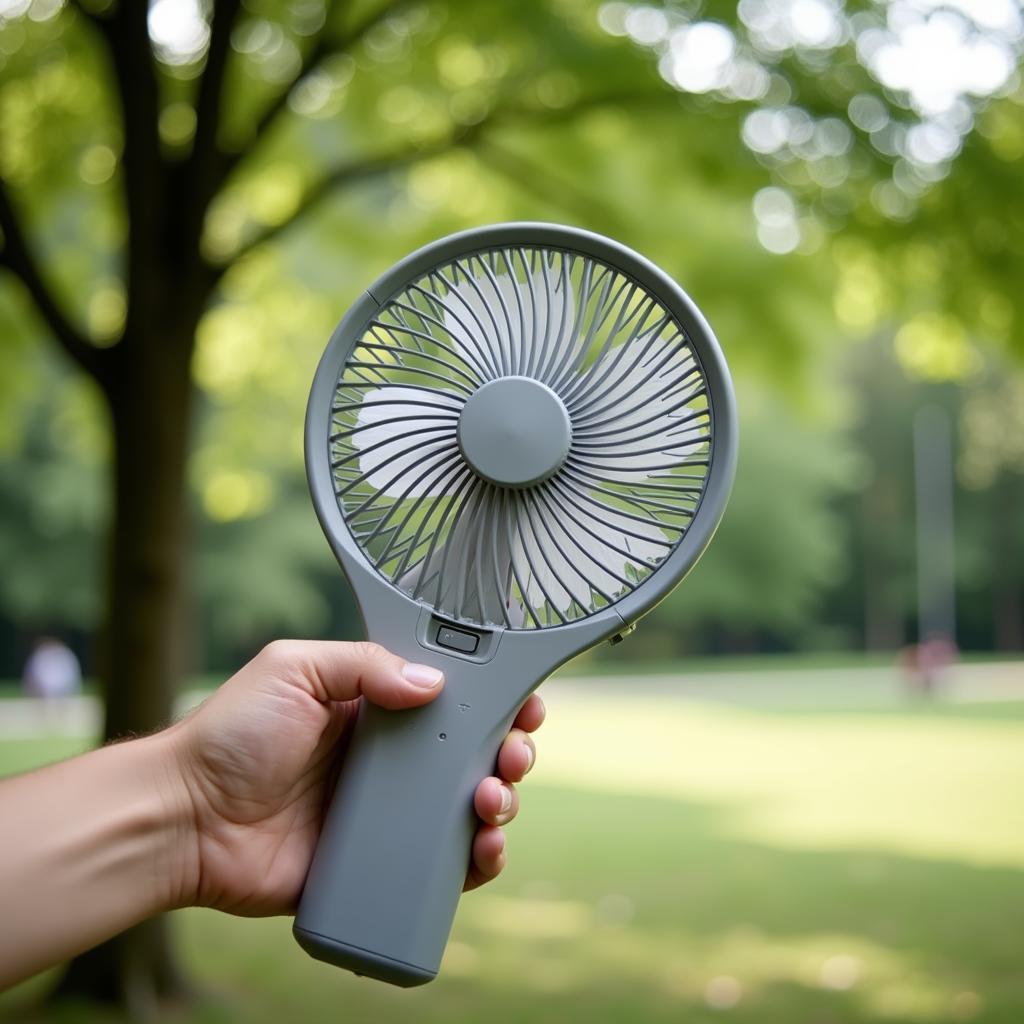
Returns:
(548,554)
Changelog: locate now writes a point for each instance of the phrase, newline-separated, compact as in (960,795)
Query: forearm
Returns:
(91,846)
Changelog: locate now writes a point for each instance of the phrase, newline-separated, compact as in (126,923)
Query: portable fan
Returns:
(519,439)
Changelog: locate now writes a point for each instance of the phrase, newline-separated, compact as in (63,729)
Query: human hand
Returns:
(259,757)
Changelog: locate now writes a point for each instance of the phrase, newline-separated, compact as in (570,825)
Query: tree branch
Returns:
(323,47)
(211,85)
(633,99)
(359,170)
(220,163)
(356,170)
(319,49)
(204,171)
(127,37)
(543,183)
(92,17)
(17,256)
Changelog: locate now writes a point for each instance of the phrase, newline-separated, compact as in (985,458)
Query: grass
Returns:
(682,861)
(20,755)
(623,661)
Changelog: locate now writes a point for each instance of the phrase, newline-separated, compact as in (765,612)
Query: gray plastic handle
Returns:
(385,880)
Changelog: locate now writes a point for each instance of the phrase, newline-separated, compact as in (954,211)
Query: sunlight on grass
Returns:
(682,861)
(683,966)
(930,785)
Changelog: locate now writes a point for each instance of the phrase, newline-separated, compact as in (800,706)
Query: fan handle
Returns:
(385,881)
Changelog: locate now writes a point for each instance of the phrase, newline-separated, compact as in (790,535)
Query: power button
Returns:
(457,639)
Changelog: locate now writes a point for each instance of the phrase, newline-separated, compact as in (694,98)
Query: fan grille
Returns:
(533,556)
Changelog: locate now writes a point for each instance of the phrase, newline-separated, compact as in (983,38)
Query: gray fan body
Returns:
(565,492)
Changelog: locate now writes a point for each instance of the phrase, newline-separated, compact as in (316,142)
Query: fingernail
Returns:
(422,675)
(506,799)
(530,754)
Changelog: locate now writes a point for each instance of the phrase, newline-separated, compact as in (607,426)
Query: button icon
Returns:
(457,640)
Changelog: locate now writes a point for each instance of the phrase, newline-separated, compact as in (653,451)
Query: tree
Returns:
(187,141)
(173,157)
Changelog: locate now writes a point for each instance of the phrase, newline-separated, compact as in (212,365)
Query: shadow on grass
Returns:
(623,908)
(684,866)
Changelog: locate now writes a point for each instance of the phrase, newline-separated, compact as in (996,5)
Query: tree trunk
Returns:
(1007,607)
(135,971)
(151,408)
(883,620)
(150,398)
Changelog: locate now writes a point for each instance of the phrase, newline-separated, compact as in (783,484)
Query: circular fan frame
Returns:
(640,374)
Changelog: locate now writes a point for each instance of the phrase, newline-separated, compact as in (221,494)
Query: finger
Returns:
(516,756)
(488,857)
(335,741)
(496,802)
(531,715)
(334,737)
(330,670)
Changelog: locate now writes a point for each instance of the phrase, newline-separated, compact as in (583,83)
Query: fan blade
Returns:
(568,552)
(638,417)
(467,576)
(519,327)
(389,452)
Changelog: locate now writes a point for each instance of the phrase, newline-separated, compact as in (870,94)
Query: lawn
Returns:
(692,861)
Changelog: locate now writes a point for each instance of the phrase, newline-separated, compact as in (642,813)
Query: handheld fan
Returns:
(519,439)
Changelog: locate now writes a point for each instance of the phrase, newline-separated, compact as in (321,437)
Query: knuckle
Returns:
(279,652)
(367,650)
(288,660)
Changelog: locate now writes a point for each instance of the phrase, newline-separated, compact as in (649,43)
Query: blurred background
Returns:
(795,794)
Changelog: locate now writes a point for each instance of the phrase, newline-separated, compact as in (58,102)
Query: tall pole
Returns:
(933,492)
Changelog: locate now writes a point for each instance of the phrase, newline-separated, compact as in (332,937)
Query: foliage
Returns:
(780,544)
(53,499)
(787,183)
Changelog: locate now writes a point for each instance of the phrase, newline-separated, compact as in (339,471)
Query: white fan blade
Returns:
(401,439)
(507,326)
(559,560)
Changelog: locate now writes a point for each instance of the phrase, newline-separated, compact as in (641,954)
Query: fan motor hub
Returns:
(515,431)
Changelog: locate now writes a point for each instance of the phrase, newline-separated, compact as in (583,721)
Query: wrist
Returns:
(176,876)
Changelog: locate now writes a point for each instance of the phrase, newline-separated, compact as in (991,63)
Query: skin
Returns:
(222,809)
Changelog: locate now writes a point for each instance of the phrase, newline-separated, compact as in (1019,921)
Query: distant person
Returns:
(925,665)
(52,671)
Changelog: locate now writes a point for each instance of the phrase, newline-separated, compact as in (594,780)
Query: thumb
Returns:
(335,671)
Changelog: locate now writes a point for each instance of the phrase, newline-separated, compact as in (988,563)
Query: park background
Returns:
(744,811)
